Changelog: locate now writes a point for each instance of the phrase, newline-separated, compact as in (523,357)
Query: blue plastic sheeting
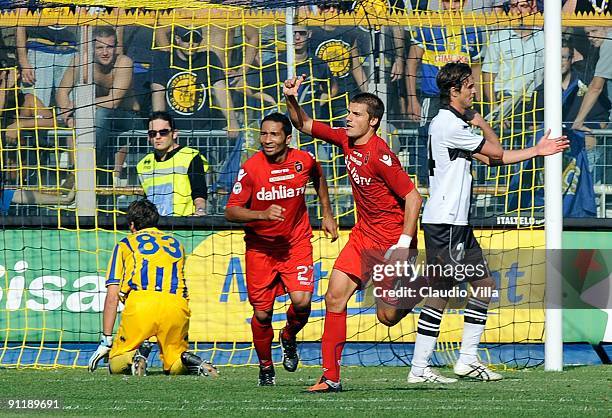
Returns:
(607,348)
(355,354)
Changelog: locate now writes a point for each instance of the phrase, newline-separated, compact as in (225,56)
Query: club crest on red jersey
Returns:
(299,166)
(367,158)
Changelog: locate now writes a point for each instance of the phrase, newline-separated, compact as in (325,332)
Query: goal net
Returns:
(80,77)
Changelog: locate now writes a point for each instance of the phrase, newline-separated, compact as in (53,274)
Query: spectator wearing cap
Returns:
(187,81)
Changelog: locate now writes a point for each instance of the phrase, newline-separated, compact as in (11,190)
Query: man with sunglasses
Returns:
(173,176)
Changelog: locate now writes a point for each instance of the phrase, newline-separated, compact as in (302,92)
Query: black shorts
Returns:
(453,254)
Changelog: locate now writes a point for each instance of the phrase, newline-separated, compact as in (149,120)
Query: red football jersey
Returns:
(378,180)
(261,183)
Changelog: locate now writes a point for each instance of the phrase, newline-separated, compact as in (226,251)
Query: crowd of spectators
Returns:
(215,79)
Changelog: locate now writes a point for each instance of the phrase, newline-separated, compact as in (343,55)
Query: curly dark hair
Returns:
(143,214)
(452,75)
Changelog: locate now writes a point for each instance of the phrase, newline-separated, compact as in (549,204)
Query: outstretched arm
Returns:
(224,100)
(298,117)
(546,146)
(415,56)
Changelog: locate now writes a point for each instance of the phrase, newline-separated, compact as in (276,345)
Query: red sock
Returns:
(263,334)
(295,322)
(332,343)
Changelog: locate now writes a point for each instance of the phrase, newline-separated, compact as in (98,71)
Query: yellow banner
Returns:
(221,312)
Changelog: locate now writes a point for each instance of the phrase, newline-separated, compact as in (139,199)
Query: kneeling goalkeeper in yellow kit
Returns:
(146,273)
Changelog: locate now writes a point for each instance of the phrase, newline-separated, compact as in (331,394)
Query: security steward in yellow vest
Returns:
(173,177)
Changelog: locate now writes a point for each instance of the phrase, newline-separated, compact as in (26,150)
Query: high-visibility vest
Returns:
(167,184)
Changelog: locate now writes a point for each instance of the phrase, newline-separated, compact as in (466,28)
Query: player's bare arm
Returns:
(596,86)
(412,208)
(546,146)
(298,117)
(111,302)
(328,223)
(492,148)
(241,214)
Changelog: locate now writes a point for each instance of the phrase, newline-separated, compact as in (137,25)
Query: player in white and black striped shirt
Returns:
(449,239)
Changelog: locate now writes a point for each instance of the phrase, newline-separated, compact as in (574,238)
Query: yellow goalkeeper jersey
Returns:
(148,260)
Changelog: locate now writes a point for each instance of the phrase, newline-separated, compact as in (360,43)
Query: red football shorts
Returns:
(270,275)
(359,255)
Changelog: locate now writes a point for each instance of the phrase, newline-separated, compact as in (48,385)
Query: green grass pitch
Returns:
(371,391)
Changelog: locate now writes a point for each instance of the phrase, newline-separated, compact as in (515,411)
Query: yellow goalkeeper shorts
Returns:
(148,314)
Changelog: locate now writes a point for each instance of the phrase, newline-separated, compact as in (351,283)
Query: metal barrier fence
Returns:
(50,152)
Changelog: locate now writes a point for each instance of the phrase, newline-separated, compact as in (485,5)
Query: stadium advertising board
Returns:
(52,288)
(220,310)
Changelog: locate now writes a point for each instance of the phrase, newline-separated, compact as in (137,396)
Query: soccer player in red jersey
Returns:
(269,196)
(388,206)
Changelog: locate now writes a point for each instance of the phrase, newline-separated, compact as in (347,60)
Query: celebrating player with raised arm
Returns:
(146,273)
(449,239)
(270,197)
(388,206)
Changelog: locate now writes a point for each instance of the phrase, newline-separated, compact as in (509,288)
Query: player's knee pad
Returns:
(122,364)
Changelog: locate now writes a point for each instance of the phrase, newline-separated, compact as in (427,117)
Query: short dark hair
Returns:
(279,117)
(103,32)
(376,107)
(163,116)
(568,43)
(452,75)
(143,213)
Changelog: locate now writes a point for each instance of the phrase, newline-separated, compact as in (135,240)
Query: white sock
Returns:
(428,329)
(469,342)
(423,350)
